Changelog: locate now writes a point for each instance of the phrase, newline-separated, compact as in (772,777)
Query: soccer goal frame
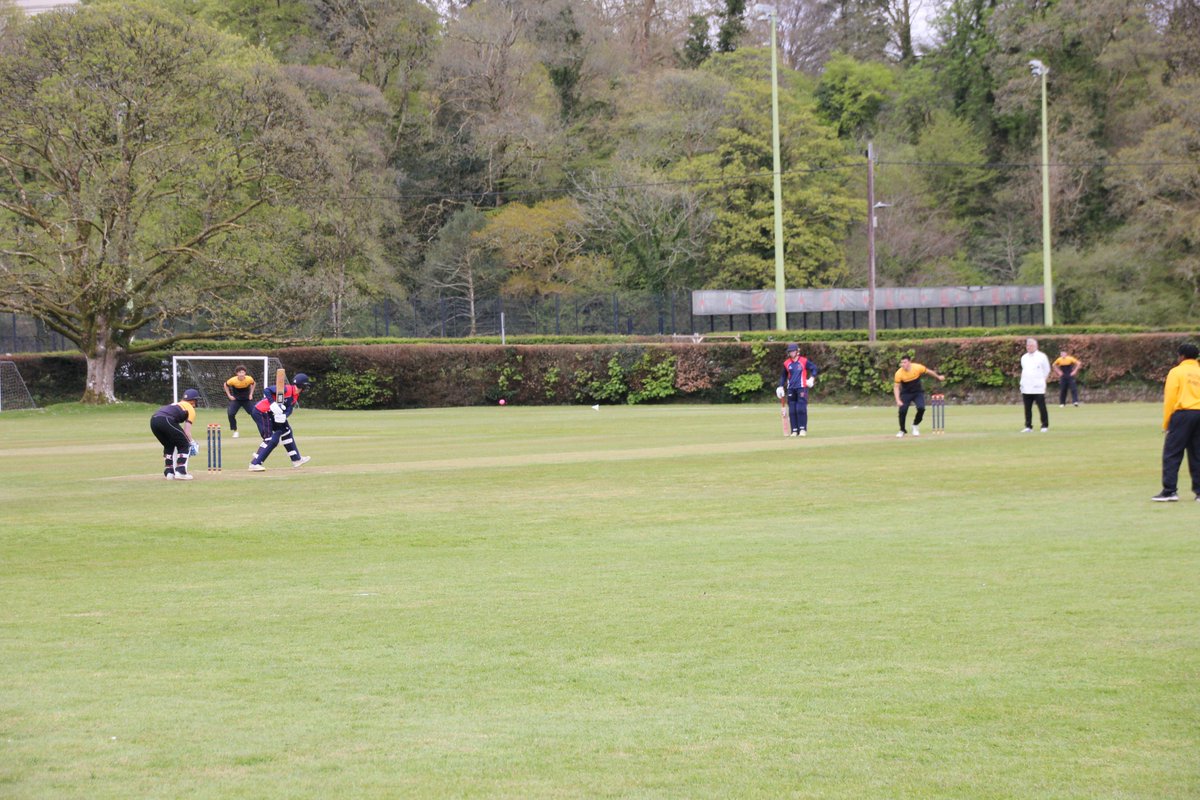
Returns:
(14,394)
(260,367)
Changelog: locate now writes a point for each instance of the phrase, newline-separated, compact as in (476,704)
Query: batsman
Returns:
(798,376)
(273,414)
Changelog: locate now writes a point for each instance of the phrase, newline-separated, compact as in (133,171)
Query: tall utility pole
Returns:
(871,241)
(1042,70)
(780,288)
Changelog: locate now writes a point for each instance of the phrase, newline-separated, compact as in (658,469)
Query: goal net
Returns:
(14,394)
(207,375)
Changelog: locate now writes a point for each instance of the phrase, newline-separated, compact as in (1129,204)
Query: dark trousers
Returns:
(1064,383)
(174,441)
(1029,400)
(281,433)
(263,421)
(245,404)
(1183,436)
(798,408)
(907,400)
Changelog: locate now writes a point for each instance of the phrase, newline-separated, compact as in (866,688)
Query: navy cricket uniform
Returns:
(275,433)
(167,426)
(794,380)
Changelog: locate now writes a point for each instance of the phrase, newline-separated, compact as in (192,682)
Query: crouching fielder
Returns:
(272,414)
(172,426)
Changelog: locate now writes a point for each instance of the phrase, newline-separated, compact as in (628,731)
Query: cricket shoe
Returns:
(1045,430)
(299,462)
(1026,430)
(257,468)
(802,432)
(169,476)
(900,435)
(1166,497)
(916,431)
(235,434)
(187,476)
(794,433)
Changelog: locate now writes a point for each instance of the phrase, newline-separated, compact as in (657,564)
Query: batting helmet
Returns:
(300,380)
(191,394)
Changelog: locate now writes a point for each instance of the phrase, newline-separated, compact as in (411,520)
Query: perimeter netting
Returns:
(207,374)
(14,394)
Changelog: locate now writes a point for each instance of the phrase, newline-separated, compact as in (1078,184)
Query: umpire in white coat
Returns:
(1035,369)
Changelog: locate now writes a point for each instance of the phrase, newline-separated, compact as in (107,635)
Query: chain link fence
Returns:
(613,313)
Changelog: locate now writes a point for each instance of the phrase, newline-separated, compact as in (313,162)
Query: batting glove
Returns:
(779,392)
(193,448)
(279,412)
(809,383)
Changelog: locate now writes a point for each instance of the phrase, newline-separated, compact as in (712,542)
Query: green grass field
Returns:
(663,602)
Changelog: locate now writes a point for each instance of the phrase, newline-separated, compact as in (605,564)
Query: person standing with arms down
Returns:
(1066,369)
(272,415)
(908,390)
(1035,369)
(240,391)
(1181,422)
(799,375)
(172,426)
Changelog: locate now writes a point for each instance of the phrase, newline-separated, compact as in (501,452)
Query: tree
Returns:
(541,248)
(733,163)
(851,93)
(138,153)
(495,100)
(342,246)
(696,48)
(733,26)
(460,268)
(655,234)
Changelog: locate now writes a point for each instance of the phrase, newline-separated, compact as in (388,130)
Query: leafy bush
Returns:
(353,390)
(652,379)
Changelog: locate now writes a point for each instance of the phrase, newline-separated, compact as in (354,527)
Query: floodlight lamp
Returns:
(763,11)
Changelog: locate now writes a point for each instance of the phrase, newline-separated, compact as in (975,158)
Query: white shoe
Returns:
(301,462)
(900,435)
(916,431)
(169,476)
(257,468)
(235,434)
(185,477)
(1045,430)
(1026,430)
(794,433)
(802,432)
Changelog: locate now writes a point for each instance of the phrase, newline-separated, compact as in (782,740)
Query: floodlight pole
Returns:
(780,289)
(871,332)
(1042,70)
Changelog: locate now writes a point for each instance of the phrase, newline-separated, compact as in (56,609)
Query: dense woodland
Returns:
(226,158)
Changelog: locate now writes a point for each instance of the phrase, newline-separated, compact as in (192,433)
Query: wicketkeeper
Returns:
(272,414)
(172,426)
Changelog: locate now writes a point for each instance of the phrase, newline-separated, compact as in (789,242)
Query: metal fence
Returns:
(621,313)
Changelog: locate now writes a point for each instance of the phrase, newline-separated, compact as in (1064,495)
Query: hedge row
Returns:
(432,375)
(807,335)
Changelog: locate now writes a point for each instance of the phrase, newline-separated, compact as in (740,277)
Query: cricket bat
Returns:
(280,384)
(783,415)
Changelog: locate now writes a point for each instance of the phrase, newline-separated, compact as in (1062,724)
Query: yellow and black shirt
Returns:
(1182,389)
(1066,364)
(909,379)
(179,413)
(242,388)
